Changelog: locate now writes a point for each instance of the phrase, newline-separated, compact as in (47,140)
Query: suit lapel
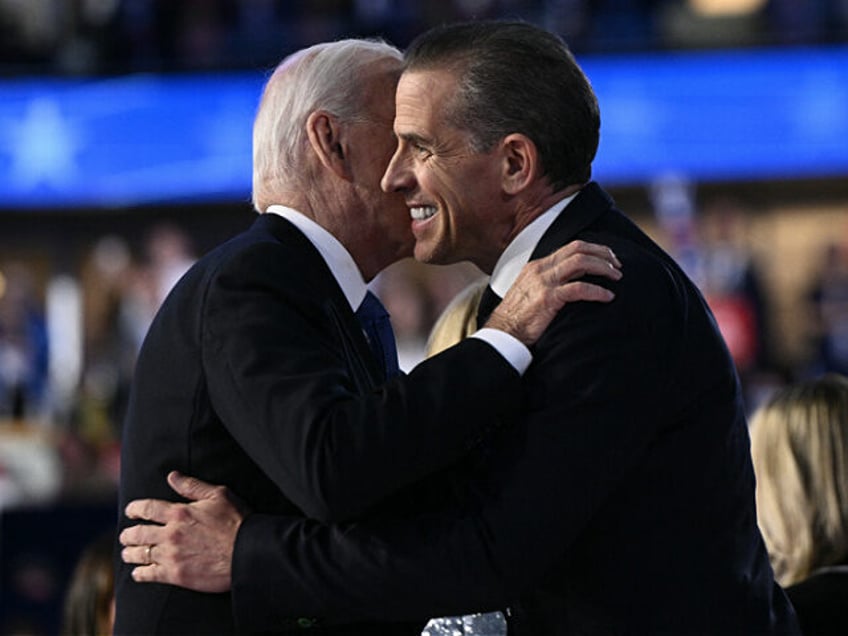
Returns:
(360,358)
(354,347)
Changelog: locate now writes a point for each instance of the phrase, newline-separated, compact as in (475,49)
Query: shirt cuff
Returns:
(512,349)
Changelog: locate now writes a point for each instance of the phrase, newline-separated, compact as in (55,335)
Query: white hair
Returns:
(325,76)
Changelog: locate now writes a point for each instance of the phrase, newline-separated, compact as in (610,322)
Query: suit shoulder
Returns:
(264,247)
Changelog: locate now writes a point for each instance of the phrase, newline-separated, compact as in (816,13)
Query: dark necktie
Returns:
(378,330)
(488,302)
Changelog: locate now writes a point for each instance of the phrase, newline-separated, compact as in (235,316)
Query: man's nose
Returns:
(396,176)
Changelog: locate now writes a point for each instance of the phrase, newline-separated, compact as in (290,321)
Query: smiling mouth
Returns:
(423,212)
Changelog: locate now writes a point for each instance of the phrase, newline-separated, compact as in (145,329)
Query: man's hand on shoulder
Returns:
(546,285)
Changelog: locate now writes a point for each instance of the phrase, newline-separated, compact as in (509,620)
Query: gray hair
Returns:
(325,76)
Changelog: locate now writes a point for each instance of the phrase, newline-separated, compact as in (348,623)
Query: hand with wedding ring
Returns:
(194,541)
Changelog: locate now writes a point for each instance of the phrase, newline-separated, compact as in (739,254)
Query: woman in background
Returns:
(799,443)
(90,601)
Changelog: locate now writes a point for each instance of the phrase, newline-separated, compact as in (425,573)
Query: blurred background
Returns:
(125,155)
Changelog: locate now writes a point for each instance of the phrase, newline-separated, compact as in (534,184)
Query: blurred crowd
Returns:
(77,394)
(88,37)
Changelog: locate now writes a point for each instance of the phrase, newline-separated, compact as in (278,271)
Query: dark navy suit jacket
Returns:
(821,601)
(255,374)
(621,503)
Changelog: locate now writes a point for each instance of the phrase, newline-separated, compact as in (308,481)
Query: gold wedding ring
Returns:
(148,557)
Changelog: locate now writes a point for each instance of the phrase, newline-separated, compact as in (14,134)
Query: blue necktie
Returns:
(375,322)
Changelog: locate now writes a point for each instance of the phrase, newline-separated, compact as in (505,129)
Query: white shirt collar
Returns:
(518,252)
(338,259)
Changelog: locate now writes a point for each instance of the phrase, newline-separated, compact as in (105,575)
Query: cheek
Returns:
(442,186)
(458,202)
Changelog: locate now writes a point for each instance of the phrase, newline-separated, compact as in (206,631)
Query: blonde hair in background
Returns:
(799,445)
(458,320)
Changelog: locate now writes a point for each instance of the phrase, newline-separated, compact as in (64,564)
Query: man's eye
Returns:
(421,151)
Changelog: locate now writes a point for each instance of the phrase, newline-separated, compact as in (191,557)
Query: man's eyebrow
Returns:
(413,138)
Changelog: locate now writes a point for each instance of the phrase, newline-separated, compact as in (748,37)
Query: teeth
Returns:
(422,212)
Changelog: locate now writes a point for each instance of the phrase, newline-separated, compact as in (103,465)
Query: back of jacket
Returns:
(653,479)
(183,412)
(172,423)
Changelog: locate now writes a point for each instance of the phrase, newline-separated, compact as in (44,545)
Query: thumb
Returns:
(191,487)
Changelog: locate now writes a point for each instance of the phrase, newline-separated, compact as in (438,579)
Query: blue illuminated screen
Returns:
(709,116)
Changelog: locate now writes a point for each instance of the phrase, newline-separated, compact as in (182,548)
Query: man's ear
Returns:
(520,162)
(326,137)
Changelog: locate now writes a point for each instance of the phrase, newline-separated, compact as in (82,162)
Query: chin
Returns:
(435,258)
(423,255)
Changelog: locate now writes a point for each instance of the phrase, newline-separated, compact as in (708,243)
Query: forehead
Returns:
(423,97)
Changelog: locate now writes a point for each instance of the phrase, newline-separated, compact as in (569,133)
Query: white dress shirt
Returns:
(353,286)
(517,253)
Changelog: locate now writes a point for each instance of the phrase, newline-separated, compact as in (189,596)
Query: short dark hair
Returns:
(514,77)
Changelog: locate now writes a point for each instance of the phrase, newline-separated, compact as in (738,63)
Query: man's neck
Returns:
(520,249)
(534,205)
(333,211)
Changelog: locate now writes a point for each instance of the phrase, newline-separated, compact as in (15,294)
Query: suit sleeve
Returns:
(281,381)
(591,387)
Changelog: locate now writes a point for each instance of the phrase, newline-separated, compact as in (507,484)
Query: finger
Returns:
(142,534)
(582,247)
(601,251)
(581,265)
(574,292)
(153,573)
(149,509)
(604,252)
(615,260)
(137,554)
(191,487)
